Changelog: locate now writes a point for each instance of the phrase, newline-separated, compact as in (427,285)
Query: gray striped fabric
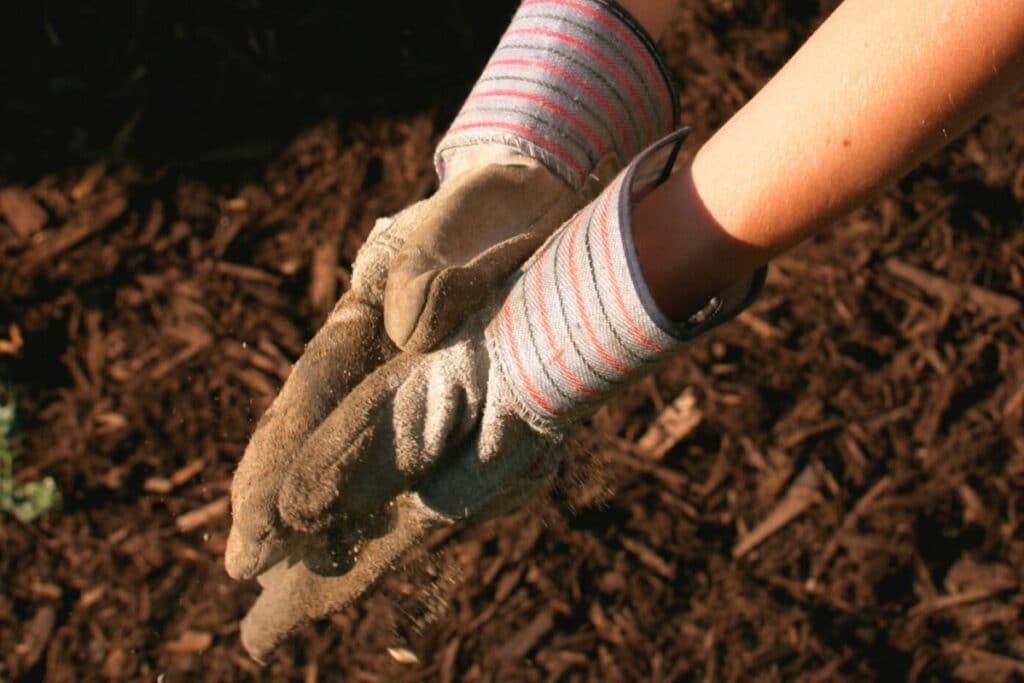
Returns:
(570,82)
(579,322)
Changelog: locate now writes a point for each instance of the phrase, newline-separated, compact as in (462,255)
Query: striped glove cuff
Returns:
(580,322)
(571,82)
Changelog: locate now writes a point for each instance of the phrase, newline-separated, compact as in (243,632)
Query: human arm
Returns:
(876,89)
(573,334)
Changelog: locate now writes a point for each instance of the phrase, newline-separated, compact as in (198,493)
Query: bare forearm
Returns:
(880,86)
(653,15)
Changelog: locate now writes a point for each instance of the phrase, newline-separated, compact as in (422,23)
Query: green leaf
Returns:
(30,500)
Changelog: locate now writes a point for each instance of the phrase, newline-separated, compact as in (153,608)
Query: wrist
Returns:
(580,320)
(685,255)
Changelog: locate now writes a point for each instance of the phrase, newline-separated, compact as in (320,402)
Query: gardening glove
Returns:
(295,592)
(574,89)
(473,429)
(353,340)
(576,85)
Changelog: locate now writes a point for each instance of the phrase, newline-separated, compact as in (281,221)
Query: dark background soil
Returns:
(184,187)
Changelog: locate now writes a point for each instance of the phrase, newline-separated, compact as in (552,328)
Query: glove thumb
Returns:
(480,226)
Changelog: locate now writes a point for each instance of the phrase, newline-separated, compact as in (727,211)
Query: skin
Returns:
(878,88)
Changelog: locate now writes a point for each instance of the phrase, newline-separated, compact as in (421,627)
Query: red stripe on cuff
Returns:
(506,318)
(587,131)
(574,279)
(625,35)
(638,334)
(567,373)
(570,78)
(605,62)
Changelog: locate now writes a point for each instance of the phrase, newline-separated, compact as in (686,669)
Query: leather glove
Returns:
(473,429)
(574,88)
(353,340)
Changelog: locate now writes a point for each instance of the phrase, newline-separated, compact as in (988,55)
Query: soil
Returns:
(839,496)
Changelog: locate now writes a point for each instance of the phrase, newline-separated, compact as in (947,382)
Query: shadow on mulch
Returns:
(223,84)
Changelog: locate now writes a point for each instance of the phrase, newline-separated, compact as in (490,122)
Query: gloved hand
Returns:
(574,89)
(353,340)
(512,202)
(474,428)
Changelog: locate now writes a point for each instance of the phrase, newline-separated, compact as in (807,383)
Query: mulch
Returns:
(828,488)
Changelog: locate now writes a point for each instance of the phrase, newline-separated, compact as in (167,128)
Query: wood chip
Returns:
(37,636)
(200,517)
(849,522)
(90,179)
(944,602)
(154,221)
(673,424)
(797,436)
(985,665)
(403,655)
(13,343)
(449,661)
(801,495)
(158,485)
(190,470)
(527,637)
(79,228)
(164,368)
(256,382)
(323,285)
(110,423)
(759,327)
(649,558)
(991,302)
(21,212)
(674,479)
(91,597)
(507,583)
(190,642)
(228,228)
(247,273)
(43,589)
(236,204)
(1014,407)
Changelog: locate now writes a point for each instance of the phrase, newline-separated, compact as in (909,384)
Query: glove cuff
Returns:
(571,82)
(580,321)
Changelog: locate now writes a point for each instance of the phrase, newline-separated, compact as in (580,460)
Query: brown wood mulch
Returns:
(829,488)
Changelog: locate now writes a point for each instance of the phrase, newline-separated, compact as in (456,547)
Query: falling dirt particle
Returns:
(403,655)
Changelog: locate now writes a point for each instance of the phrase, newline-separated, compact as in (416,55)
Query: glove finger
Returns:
(344,351)
(336,455)
(384,436)
(499,468)
(480,226)
(293,594)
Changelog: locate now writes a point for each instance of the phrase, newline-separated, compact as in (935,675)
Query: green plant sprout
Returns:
(28,500)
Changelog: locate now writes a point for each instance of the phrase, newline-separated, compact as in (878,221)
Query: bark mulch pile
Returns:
(829,488)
